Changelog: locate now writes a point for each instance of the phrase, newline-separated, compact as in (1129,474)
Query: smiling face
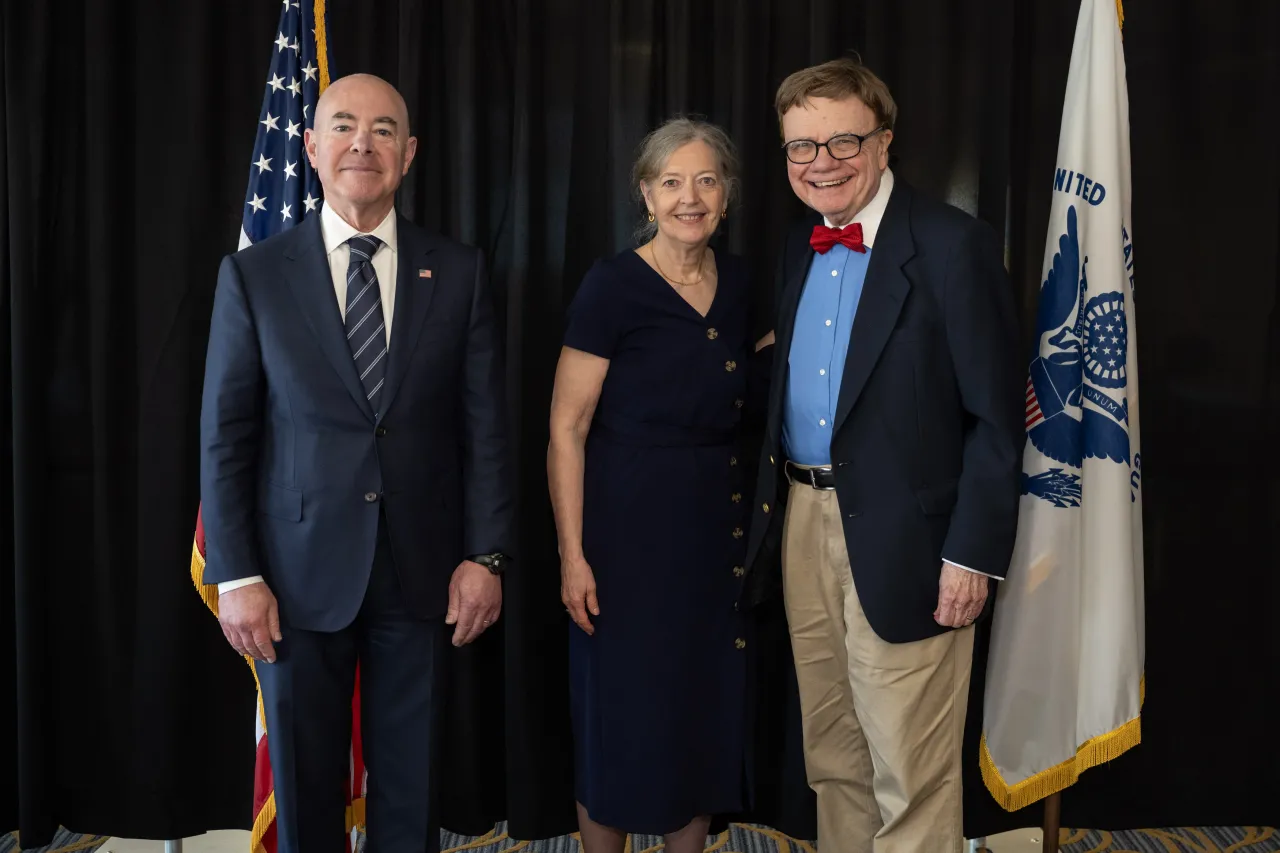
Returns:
(360,146)
(688,195)
(837,189)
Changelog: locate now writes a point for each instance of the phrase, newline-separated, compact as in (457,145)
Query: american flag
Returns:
(283,190)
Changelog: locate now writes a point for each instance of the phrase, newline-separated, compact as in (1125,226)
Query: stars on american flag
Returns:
(280,176)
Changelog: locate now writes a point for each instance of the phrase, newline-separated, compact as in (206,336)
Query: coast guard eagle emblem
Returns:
(1076,403)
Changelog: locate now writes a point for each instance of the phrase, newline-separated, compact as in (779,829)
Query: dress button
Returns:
(370,497)
(834,273)
(822,422)
(712,334)
(771,462)
(738,571)
(822,371)
(735,607)
(739,643)
(733,460)
(731,366)
(766,507)
(737,533)
(828,322)
(738,404)
(737,496)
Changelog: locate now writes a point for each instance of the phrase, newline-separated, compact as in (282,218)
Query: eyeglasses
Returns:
(841,147)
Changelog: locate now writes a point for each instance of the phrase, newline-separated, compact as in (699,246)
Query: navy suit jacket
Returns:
(928,432)
(295,471)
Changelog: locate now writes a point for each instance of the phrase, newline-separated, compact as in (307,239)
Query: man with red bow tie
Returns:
(893,453)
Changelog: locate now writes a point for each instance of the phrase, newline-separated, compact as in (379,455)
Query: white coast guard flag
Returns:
(1064,675)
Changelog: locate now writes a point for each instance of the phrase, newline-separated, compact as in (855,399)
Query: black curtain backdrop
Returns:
(125,135)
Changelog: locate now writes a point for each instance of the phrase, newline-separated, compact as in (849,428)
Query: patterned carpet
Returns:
(754,839)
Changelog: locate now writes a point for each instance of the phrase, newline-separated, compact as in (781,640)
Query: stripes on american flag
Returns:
(283,190)
(1034,415)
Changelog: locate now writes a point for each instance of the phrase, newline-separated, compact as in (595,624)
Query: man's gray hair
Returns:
(665,140)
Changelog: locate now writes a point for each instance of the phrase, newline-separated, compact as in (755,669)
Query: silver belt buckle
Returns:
(813,478)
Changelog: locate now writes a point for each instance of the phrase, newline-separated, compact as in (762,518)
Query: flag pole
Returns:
(1052,821)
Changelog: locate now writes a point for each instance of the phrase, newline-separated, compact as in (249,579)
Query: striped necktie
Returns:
(366,329)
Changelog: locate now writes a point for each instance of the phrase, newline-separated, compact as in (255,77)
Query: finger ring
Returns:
(486,621)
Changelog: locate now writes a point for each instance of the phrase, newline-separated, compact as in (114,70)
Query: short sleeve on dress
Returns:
(594,322)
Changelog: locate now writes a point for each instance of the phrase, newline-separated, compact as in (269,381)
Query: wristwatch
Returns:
(495,563)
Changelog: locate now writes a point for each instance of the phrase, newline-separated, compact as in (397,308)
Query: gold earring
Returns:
(724,214)
(651,216)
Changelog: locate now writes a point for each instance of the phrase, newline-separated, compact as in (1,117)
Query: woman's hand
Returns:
(578,592)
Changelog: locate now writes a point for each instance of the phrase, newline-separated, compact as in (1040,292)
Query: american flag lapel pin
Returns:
(424,273)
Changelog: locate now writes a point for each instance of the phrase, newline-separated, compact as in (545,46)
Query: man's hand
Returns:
(250,620)
(475,601)
(961,596)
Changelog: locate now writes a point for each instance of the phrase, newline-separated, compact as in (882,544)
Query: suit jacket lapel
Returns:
(883,293)
(413,299)
(307,269)
(796,274)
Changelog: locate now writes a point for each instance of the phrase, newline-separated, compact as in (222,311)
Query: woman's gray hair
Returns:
(662,142)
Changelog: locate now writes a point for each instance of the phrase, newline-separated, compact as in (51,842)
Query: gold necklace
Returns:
(654,254)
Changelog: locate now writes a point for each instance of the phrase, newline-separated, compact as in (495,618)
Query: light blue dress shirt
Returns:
(819,344)
(820,339)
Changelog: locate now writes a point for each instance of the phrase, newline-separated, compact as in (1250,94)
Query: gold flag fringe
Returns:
(1091,753)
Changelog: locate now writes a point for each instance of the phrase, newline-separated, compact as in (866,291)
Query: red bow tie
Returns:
(823,238)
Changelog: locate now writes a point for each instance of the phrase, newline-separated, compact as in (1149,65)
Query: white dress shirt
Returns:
(870,218)
(336,231)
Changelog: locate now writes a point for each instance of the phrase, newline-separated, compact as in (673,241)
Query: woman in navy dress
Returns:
(648,485)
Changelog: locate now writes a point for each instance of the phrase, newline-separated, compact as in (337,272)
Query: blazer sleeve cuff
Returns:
(227,586)
(975,571)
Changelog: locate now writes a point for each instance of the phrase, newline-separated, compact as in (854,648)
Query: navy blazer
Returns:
(295,471)
(928,432)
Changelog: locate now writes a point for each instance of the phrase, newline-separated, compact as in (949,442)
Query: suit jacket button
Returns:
(371,497)
(712,334)
(739,643)
(738,571)
(380,431)
(731,366)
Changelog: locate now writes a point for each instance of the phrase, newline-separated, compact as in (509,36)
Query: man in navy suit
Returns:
(356,487)
(893,453)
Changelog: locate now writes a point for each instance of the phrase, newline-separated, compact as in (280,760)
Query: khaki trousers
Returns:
(883,722)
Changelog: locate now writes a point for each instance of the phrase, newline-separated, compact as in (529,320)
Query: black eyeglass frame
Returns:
(786,146)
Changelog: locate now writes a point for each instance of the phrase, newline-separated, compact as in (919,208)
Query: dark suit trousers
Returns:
(307,697)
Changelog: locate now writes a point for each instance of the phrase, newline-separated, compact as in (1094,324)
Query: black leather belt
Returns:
(823,478)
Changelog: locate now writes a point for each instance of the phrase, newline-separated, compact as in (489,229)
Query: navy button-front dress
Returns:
(657,693)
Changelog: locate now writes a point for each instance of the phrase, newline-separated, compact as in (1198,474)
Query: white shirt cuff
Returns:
(975,571)
(227,586)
